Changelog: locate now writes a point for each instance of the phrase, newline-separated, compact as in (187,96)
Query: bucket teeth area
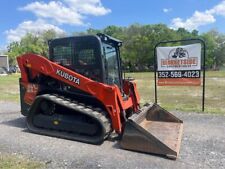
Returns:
(154,130)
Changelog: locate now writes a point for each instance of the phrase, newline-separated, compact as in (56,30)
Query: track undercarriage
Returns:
(58,116)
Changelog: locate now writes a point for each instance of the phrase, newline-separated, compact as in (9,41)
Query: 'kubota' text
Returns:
(68,76)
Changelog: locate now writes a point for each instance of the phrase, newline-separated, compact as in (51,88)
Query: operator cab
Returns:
(96,57)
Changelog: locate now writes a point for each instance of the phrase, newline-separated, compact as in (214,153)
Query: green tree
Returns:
(31,43)
(138,43)
(13,50)
(91,31)
(45,37)
(215,42)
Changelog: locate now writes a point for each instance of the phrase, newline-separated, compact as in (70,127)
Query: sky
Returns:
(66,16)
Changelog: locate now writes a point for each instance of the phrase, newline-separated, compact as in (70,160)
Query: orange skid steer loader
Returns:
(79,94)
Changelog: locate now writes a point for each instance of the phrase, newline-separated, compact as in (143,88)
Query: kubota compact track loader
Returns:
(79,94)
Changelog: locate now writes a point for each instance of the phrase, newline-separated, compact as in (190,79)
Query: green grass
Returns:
(185,98)
(9,88)
(18,162)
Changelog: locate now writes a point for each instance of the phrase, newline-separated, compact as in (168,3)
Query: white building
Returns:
(4,62)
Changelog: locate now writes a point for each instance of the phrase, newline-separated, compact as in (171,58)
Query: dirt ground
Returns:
(203,145)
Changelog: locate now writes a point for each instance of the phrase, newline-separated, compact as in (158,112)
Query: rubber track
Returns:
(96,113)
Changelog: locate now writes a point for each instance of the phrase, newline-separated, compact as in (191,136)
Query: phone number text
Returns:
(179,74)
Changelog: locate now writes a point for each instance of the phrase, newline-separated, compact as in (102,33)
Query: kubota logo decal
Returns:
(68,76)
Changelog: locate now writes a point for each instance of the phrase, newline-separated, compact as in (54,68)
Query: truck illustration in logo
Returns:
(178,53)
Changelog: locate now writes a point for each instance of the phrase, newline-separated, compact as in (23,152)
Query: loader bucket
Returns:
(153,130)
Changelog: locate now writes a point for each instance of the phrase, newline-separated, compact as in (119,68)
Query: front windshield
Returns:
(112,63)
(80,54)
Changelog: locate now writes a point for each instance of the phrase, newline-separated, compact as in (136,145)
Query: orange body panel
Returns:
(32,90)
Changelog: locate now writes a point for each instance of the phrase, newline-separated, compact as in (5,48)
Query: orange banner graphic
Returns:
(179,82)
